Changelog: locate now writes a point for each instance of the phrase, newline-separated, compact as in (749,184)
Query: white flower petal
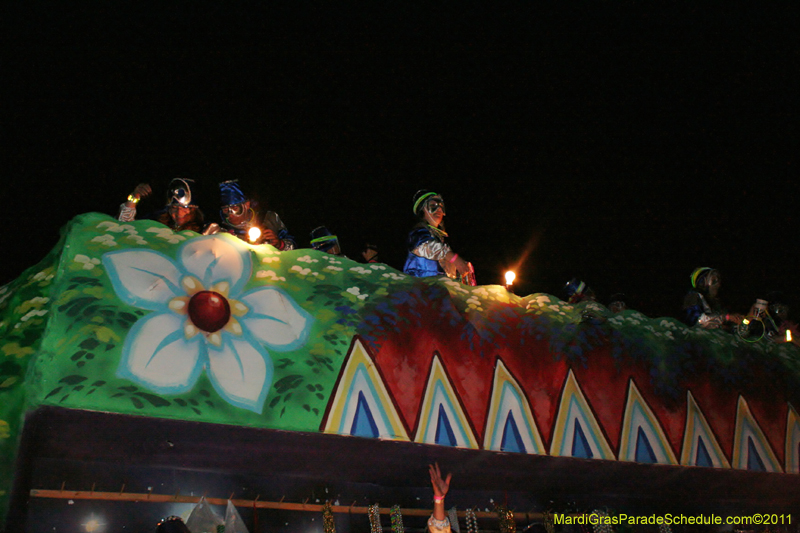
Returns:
(241,372)
(143,278)
(275,319)
(214,258)
(158,355)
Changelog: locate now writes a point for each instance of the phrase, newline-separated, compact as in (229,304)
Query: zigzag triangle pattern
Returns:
(643,440)
(510,425)
(751,450)
(700,446)
(577,432)
(442,419)
(361,405)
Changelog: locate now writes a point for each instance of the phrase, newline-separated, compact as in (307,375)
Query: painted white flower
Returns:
(300,270)
(167,234)
(355,291)
(270,259)
(270,275)
(201,319)
(307,259)
(105,240)
(87,262)
(375,266)
(136,239)
(33,313)
(392,275)
(41,276)
(361,270)
(333,268)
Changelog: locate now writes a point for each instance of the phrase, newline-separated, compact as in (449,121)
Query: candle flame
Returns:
(510,276)
(253,234)
(788,335)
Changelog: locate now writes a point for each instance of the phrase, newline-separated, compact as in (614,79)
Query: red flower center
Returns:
(209,311)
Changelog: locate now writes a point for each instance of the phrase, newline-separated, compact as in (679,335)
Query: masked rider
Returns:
(428,253)
(238,217)
(702,306)
(180,212)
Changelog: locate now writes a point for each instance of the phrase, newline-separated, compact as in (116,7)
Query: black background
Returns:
(624,144)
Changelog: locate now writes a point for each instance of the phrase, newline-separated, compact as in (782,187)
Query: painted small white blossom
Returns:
(375,266)
(333,268)
(167,234)
(136,239)
(201,319)
(361,270)
(270,259)
(33,313)
(270,275)
(87,262)
(392,275)
(41,276)
(300,270)
(105,240)
(307,259)
(355,291)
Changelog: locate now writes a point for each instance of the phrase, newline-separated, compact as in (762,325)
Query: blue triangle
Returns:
(363,423)
(644,452)
(754,461)
(580,446)
(444,433)
(703,457)
(512,440)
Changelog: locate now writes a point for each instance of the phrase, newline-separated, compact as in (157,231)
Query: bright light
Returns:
(93,525)
(254,233)
(510,277)
(788,335)
(746,321)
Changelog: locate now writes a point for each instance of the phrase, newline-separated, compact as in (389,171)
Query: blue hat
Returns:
(322,239)
(230,193)
(574,287)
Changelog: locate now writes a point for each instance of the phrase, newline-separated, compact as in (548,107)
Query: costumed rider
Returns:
(428,253)
(239,218)
(180,212)
(702,307)
(583,298)
(323,240)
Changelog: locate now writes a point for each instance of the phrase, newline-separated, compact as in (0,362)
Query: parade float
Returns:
(142,369)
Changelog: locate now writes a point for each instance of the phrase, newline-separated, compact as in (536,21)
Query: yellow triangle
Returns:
(792,458)
(494,418)
(342,406)
(438,380)
(627,443)
(739,459)
(572,392)
(697,425)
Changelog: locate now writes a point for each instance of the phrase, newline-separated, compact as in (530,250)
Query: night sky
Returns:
(624,145)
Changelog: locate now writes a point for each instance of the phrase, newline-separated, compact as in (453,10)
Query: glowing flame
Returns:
(746,321)
(253,234)
(510,277)
(788,335)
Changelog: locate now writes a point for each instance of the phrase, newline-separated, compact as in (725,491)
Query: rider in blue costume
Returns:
(238,216)
(428,253)
(701,306)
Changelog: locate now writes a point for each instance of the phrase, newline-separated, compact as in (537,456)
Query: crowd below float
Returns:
(429,254)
